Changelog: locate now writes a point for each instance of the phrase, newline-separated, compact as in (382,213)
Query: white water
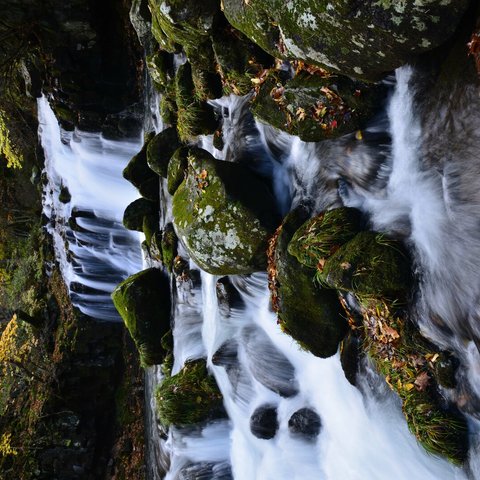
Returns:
(104,252)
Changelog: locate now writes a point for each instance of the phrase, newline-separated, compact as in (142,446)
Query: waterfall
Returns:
(95,252)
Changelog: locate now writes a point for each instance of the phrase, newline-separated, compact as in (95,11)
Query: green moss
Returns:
(318,238)
(8,149)
(143,301)
(189,397)
(310,315)
(169,246)
(135,212)
(408,362)
(223,214)
(370,264)
(176,169)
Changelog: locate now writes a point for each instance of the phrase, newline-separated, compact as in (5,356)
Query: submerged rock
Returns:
(223,214)
(305,423)
(308,313)
(206,471)
(264,422)
(358,39)
(228,296)
(268,365)
(143,301)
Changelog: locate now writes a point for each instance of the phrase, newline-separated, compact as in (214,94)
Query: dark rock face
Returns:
(264,422)
(267,364)
(359,39)
(349,357)
(305,423)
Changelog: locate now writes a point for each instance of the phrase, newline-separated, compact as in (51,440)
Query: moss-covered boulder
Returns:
(138,173)
(176,169)
(311,315)
(159,65)
(143,301)
(133,217)
(189,397)
(409,362)
(321,236)
(371,264)
(150,226)
(223,214)
(160,149)
(208,85)
(359,39)
(316,106)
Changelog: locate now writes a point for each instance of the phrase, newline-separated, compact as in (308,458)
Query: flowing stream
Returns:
(363,434)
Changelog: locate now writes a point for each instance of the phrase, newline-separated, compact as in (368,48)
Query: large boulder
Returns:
(136,213)
(316,106)
(308,313)
(305,423)
(143,301)
(359,39)
(160,149)
(223,214)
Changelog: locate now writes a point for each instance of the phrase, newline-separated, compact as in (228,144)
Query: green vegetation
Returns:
(189,397)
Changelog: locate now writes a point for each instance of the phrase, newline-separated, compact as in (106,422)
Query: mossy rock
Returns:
(155,247)
(239,60)
(136,211)
(320,237)
(223,214)
(208,85)
(184,86)
(169,246)
(310,315)
(150,226)
(371,264)
(189,397)
(408,361)
(138,173)
(187,23)
(316,106)
(159,66)
(160,149)
(176,169)
(143,301)
(64,195)
(358,39)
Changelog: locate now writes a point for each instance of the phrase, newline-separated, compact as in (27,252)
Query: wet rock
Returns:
(268,365)
(223,214)
(350,356)
(160,149)
(169,246)
(228,296)
(143,301)
(305,423)
(445,370)
(264,422)
(226,355)
(138,173)
(311,315)
(206,471)
(358,39)
(136,211)
(64,195)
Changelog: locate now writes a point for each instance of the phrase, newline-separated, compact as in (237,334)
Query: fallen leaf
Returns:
(422,381)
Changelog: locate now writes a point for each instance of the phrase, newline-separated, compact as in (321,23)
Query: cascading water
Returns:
(363,433)
(94,250)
